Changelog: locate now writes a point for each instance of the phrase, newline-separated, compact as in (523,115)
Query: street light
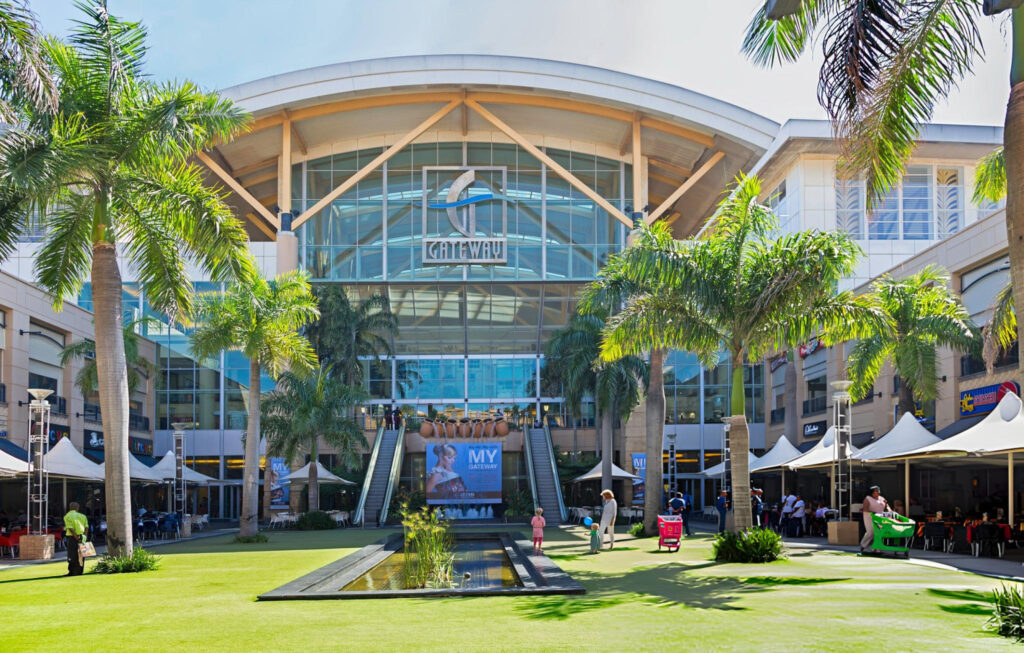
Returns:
(841,484)
(179,476)
(992,7)
(777,9)
(38,479)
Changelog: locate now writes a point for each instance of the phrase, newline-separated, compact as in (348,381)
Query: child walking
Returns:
(538,524)
(595,537)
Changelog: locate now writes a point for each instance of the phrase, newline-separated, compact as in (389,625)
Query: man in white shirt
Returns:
(787,512)
(798,517)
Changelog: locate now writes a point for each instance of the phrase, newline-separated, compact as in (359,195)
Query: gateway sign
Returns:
(451,234)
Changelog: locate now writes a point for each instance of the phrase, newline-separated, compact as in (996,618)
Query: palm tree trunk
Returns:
(267,469)
(906,404)
(654,427)
(739,451)
(1013,142)
(314,482)
(248,522)
(112,374)
(606,449)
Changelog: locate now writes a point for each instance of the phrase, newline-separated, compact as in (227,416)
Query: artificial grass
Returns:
(202,598)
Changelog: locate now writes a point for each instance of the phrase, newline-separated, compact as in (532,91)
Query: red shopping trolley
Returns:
(670,532)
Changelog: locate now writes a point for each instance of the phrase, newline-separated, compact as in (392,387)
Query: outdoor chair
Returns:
(149,530)
(935,533)
(987,538)
(5,543)
(277,519)
(958,543)
(710,513)
(168,527)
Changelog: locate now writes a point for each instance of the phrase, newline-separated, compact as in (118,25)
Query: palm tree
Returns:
(139,367)
(261,319)
(573,356)
(109,170)
(407,376)
(661,320)
(24,72)
(742,286)
(886,64)
(304,409)
(923,315)
(347,332)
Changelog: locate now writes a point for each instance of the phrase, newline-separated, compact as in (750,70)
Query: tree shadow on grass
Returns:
(659,585)
(974,602)
(34,578)
(772,581)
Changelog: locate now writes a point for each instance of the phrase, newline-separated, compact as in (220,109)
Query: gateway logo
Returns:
(458,205)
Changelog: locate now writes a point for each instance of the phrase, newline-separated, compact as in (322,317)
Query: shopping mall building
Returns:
(481,193)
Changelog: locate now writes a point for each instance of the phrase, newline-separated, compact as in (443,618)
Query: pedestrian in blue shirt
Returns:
(722,504)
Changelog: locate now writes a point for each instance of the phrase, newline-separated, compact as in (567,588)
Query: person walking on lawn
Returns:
(75,527)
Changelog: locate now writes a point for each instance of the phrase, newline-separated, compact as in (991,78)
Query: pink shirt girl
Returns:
(538,524)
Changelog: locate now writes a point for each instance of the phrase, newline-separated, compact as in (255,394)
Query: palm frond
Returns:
(1001,331)
(990,177)
(770,42)
(24,73)
(64,259)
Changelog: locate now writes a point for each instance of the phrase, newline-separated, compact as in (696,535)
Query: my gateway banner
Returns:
(464,473)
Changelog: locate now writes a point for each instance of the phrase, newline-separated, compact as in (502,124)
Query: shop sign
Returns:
(458,208)
(777,362)
(57,432)
(984,399)
(812,429)
(138,446)
(812,346)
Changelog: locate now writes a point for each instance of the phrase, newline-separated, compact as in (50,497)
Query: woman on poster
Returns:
(442,480)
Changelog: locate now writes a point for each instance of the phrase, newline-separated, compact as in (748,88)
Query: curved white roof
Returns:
(392,74)
(63,459)
(906,436)
(781,453)
(1001,432)
(821,453)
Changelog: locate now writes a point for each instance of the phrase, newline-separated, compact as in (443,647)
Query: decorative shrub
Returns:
(753,545)
(139,560)
(404,500)
(1008,611)
(315,521)
(637,530)
(520,504)
(429,548)
(259,538)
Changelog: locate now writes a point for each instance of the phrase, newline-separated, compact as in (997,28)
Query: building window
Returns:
(927,205)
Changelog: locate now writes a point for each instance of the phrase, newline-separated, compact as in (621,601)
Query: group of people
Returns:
(392,418)
(800,518)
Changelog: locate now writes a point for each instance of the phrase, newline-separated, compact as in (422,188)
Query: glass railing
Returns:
(778,415)
(815,406)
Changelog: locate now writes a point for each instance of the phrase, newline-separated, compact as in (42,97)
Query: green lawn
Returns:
(203,599)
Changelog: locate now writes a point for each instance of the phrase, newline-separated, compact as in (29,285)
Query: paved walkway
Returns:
(62,556)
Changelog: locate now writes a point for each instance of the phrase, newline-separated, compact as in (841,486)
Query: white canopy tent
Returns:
(719,469)
(64,460)
(9,465)
(821,454)
(781,453)
(323,476)
(908,435)
(140,471)
(1002,431)
(167,468)
(618,474)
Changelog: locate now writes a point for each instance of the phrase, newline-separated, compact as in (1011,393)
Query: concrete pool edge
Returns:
(539,575)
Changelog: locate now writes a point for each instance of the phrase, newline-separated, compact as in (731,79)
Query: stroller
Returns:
(670,532)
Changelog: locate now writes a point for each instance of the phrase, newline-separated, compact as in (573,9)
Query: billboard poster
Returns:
(640,469)
(464,472)
(983,400)
(280,493)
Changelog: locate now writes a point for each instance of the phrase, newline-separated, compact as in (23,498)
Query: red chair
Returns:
(15,540)
(5,543)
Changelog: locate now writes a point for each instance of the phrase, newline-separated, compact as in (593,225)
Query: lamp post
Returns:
(841,481)
(726,459)
(179,478)
(38,544)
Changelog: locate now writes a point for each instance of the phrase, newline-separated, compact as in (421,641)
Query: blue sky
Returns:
(691,43)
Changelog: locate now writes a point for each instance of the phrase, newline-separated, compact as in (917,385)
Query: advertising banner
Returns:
(464,472)
(280,493)
(984,399)
(640,469)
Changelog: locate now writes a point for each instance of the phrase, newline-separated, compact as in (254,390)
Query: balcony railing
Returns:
(815,406)
(91,413)
(778,415)
(138,422)
(3,393)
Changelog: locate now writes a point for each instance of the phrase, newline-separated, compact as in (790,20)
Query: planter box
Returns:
(35,547)
(844,533)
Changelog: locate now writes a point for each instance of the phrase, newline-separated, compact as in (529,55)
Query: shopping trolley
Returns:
(670,531)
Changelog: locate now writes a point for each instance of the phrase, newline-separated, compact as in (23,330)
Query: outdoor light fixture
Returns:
(841,470)
(38,481)
(992,7)
(776,9)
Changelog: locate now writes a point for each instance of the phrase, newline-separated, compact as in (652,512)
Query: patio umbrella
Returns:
(64,460)
(9,465)
(618,474)
(906,436)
